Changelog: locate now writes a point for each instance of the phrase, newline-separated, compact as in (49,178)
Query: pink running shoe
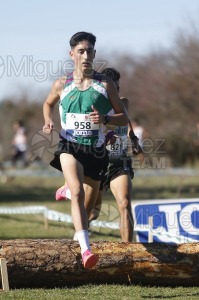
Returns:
(89,259)
(63,193)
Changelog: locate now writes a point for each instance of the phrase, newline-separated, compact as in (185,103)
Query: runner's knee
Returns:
(77,193)
(123,204)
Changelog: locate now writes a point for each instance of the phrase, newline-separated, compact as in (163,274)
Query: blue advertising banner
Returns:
(173,221)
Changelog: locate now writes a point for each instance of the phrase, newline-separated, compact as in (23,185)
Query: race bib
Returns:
(80,125)
(118,148)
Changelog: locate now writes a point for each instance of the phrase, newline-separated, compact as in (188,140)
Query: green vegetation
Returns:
(104,292)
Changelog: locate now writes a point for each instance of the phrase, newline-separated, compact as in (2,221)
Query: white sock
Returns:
(82,237)
(75,237)
(68,193)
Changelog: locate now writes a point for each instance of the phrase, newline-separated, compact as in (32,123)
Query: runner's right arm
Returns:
(50,102)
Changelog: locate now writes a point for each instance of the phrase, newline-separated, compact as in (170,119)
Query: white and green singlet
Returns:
(75,106)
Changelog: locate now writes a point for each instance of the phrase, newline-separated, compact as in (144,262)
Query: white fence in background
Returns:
(169,221)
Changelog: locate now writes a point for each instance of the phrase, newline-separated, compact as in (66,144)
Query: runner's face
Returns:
(83,55)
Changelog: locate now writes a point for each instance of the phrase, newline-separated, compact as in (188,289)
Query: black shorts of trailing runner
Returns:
(93,159)
(116,168)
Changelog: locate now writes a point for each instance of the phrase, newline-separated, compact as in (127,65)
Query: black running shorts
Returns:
(116,168)
(94,160)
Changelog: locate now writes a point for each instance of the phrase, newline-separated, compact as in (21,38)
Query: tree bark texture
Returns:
(57,263)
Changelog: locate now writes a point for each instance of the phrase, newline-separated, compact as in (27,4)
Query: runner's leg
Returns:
(91,188)
(97,208)
(74,176)
(121,188)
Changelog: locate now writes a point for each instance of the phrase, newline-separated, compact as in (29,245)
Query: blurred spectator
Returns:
(19,143)
(138,130)
(143,137)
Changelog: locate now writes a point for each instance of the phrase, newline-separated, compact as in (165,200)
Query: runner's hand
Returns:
(95,116)
(48,127)
(136,149)
(110,138)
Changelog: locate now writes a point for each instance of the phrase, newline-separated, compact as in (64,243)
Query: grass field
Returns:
(40,191)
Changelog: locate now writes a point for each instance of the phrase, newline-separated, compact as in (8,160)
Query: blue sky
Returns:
(39,31)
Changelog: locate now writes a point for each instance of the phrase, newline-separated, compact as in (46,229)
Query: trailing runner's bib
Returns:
(120,147)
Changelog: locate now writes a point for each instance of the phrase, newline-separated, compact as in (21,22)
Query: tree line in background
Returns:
(163,90)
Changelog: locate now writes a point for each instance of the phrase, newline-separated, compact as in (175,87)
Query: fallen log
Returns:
(57,263)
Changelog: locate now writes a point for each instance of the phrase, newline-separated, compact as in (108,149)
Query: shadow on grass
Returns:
(187,295)
(108,234)
(18,194)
